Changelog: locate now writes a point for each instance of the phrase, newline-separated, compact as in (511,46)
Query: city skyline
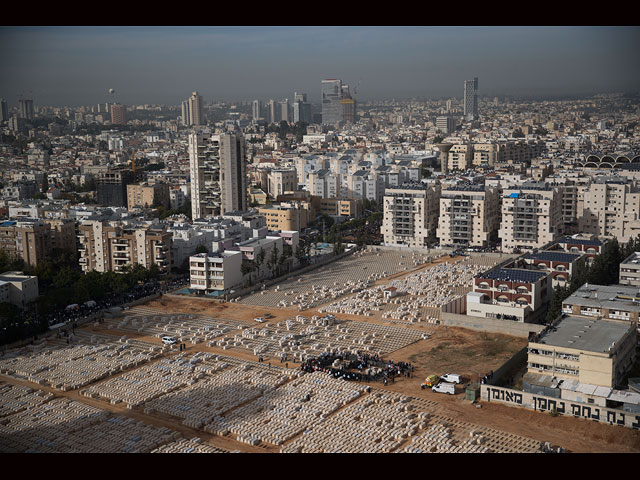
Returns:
(73,66)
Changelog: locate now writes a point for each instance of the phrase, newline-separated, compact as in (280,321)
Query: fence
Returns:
(542,403)
(494,325)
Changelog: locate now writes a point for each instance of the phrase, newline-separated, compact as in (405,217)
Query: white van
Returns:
(169,340)
(451,378)
(444,387)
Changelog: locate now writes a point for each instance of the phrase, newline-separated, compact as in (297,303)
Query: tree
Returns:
(260,259)
(273,259)
(45,184)
(555,305)
(201,249)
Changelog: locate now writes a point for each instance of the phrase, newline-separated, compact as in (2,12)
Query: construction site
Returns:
(232,381)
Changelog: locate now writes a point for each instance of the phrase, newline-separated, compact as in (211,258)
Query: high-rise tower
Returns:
(25,108)
(331,96)
(471,99)
(256,110)
(218,171)
(118,114)
(196,113)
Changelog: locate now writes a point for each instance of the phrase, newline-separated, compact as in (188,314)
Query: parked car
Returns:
(259,319)
(169,340)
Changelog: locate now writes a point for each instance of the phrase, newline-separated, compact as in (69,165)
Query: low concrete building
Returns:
(215,272)
(630,270)
(588,351)
(612,302)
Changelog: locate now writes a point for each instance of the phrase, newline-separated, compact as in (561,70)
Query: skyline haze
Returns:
(73,66)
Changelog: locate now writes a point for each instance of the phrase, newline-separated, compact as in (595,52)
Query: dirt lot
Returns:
(462,351)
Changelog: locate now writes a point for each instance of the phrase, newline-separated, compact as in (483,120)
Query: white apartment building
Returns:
(324,184)
(216,272)
(411,215)
(365,184)
(469,216)
(531,217)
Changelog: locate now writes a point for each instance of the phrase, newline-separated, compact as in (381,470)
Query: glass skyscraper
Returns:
(331,107)
(471,99)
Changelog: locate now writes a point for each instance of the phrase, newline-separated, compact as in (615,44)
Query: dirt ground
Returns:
(466,352)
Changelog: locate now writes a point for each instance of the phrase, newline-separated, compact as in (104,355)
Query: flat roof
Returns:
(620,297)
(513,275)
(585,334)
(579,241)
(554,256)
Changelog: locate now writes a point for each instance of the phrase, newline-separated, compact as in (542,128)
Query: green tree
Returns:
(201,249)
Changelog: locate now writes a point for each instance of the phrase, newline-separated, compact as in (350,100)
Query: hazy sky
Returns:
(77,65)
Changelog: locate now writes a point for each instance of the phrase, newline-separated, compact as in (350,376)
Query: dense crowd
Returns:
(86,309)
(357,366)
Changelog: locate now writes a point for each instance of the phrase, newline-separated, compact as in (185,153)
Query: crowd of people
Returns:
(357,366)
(84,310)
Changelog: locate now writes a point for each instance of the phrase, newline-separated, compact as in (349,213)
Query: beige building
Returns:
(148,195)
(589,351)
(104,247)
(341,207)
(486,153)
(630,270)
(610,208)
(611,302)
(469,216)
(286,216)
(460,157)
(27,239)
(411,215)
(281,180)
(531,217)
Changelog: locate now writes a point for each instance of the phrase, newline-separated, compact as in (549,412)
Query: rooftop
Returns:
(585,334)
(620,297)
(553,256)
(513,275)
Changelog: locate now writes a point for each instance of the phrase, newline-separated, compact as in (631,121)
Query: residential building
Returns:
(469,216)
(459,157)
(111,187)
(218,174)
(216,273)
(531,217)
(411,214)
(148,195)
(118,114)
(281,180)
(110,247)
(286,216)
